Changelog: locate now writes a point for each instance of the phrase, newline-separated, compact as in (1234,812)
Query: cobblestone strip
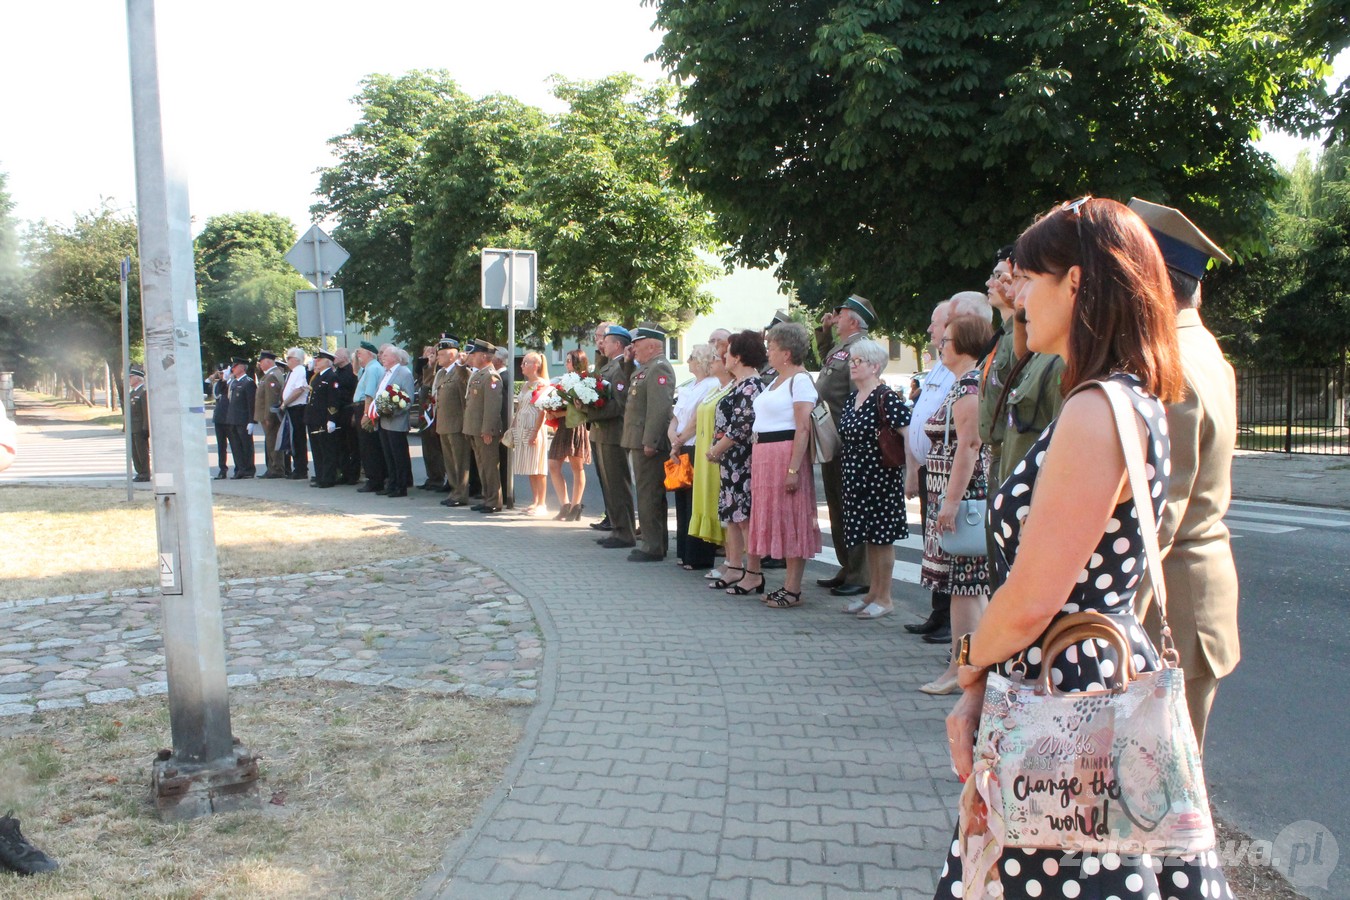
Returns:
(436,623)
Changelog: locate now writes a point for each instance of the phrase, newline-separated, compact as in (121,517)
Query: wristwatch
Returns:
(963,650)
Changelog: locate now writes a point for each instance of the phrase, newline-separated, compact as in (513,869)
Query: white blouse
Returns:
(774,408)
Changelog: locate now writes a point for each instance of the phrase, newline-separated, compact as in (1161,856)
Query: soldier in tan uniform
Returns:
(849,322)
(267,411)
(607,440)
(646,437)
(450,388)
(485,421)
(1202,586)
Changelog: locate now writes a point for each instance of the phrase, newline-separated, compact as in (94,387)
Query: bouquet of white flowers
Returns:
(580,393)
(392,400)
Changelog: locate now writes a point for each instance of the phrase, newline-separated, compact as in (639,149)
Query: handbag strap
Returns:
(1123,411)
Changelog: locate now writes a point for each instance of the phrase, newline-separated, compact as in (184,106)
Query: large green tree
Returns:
(479,162)
(20,343)
(897,144)
(74,296)
(618,233)
(1291,304)
(376,186)
(245,288)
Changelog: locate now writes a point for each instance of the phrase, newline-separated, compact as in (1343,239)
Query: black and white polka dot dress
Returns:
(1107,584)
(874,495)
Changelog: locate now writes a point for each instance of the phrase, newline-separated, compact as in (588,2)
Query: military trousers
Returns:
(432,458)
(489,469)
(611,461)
(276,460)
(458,464)
(852,560)
(650,474)
(140,452)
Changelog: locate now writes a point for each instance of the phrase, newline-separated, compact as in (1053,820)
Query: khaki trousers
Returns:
(852,561)
(488,456)
(611,461)
(651,501)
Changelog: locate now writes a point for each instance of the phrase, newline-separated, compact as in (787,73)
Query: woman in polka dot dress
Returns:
(1094,290)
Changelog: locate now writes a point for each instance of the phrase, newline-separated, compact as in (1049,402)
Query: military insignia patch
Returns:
(841,355)
(660,379)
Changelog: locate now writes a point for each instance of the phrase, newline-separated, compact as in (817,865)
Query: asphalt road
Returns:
(1276,753)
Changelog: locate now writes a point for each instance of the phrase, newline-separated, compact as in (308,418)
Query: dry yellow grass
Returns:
(362,791)
(64,540)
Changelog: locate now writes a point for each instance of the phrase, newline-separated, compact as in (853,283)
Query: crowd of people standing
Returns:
(1009,420)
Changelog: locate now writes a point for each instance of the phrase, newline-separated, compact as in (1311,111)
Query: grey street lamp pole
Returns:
(204,765)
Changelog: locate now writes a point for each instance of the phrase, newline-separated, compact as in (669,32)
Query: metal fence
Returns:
(1293,410)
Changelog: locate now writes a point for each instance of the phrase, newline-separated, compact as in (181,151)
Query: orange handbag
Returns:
(679,473)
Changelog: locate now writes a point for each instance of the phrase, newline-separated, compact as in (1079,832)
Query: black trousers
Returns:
(299,443)
(942,602)
(241,448)
(692,551)
(372,458)
(397,460)
(222,447)
(140,452)
(324,446)
(349,444)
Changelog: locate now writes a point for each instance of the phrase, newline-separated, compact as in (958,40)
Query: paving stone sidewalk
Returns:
(691,744)
(438,623)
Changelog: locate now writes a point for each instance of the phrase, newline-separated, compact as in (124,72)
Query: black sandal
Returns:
(721,584)
(779,599)
(735,587)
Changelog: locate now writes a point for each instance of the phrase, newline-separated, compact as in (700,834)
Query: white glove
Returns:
(332,427)
(254,428)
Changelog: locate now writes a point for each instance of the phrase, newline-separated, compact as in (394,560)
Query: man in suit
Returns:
(348,448)
(457,447)
(242,393)
(485,421)
(220,391)
(394,425)
(323,418)
(363,401)
(267,412)
(849,321)
(138,422)
(607,439)
(646,437)
(1198,570)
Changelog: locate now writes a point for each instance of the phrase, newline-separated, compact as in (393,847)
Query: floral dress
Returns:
(1107,585)
(957,575)
(736,420)
(874,495)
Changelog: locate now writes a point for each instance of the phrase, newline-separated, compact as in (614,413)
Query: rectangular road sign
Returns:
(307,312)
(496,264)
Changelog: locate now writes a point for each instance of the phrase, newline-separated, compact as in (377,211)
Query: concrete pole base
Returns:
(183,791)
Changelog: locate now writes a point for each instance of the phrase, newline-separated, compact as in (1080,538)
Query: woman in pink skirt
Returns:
(782,484)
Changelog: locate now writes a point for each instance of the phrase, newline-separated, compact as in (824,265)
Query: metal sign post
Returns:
(510,282)
(205,771)
(124,274)
(318,257)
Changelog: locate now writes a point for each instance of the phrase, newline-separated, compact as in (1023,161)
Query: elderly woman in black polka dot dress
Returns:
(1096,293)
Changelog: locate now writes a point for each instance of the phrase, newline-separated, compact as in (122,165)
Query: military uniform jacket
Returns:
(269,394)
(833,383)
(651,396)
(991,389)
(242,392)
(325,400)
(1032,404)
(450,397)
(485,403)
(607,421)
(137,411)
(1202,585)
(221,391)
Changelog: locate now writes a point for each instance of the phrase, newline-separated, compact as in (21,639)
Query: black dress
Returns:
(1107,584)
(874,495)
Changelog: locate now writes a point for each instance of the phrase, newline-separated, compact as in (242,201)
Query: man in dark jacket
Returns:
(242,394)
(323,415)
(348,446)
(220,391)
